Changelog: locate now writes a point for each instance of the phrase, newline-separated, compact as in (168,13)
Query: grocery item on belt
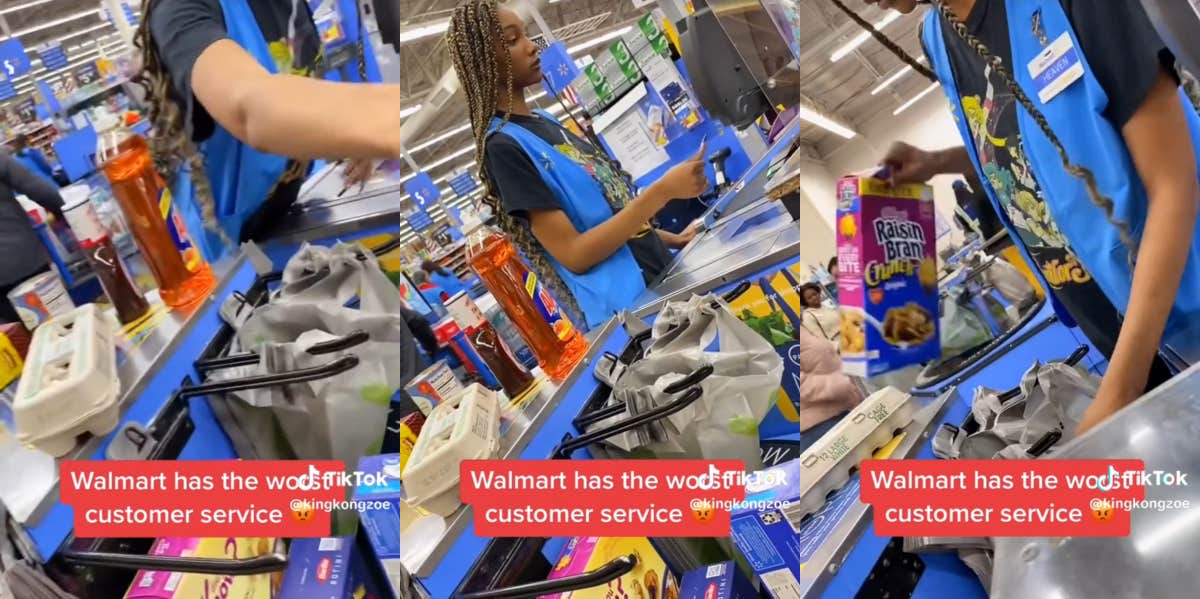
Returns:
(433,386)
(513,377)
(383,524)
(825,466)
(70,383)
(717,581)
(765,535)
(466,427)
(40,298)
(410,431)
(97,246)
(649,579)
(14,345)
(887,275)
(149,584)
(326,568)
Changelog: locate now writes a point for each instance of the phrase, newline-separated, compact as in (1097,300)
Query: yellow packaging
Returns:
(176,585)
(410,427)
(10,362)
(650,579)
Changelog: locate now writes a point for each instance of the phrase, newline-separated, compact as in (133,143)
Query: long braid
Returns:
(474,37)
(885,41)
(169,144)
(1080,172)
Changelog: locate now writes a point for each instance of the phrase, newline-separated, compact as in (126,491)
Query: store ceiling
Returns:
(77,24)
(842,89)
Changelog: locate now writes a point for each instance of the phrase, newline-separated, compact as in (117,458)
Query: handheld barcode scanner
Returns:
(718,161)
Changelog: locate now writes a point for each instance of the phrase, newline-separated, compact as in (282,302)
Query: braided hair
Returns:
(476,42)
(997,64)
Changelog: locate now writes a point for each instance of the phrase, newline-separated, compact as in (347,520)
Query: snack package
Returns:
(717,581)
(148,584)
(887,275)
(650,579)
(328,568)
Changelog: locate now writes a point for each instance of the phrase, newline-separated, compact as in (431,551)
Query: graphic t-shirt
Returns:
(1126,70)
(184,29)
(522,189)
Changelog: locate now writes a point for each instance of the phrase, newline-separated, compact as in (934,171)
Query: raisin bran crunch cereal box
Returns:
(887,275)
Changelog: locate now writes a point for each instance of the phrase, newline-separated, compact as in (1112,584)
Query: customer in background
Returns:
(432,293)
(818,319)
(21,255)
(442,278)
(825,392)
(32,158)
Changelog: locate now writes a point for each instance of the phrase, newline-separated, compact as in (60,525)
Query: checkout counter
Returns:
(164,414)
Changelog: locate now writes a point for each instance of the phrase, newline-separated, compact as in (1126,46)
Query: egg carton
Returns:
(465,427)
(826,466)
(69,385)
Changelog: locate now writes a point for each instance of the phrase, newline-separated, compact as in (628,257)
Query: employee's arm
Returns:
(579,252)
(1163,155)
(295,116)
(34,186)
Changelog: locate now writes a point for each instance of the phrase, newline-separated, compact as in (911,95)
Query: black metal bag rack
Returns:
(515,568)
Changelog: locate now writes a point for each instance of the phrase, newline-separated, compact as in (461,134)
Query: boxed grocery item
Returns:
(410,430)
(887,275)
(763,533)
(14,343)
(433,386)
(328,568)
(717,581)
(382,524)
(148,584)
(649,579)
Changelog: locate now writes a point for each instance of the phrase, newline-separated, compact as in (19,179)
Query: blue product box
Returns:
(762,532)
(382,524)
(326,568)
(717,581)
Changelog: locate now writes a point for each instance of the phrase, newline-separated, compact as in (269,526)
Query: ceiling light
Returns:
(596,41)
(55,23)
(422,31)
(407,112)
(826,123)
(894,78)
(908,104)
(12,9)
(82,31)
(858,40)
(441,161)
(441,137)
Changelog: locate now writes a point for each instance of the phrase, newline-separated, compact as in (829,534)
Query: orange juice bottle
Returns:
(184,277)
(550,335)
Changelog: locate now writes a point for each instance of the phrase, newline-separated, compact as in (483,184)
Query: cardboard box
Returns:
(650,578)
(717,581)
(887,276)
(11,360)
(328,568)
(410,430)
(765,537)
(433,386)
(149,584)
(382,525)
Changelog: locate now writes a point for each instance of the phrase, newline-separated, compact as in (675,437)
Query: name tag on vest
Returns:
(1056,68)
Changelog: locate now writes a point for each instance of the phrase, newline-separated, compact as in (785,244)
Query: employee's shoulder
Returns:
(183,14)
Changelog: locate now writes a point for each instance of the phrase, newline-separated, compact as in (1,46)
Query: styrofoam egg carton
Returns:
(466,427)
(69,385)
(825,467)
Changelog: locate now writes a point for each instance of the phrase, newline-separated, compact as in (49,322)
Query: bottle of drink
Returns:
(556,342)
(183,276)
(513,377)
(101,253)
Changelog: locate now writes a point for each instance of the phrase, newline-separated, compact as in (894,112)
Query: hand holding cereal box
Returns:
(887,275)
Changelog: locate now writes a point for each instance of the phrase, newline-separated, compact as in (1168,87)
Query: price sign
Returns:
(87,74)
(422,190)
(53,56)
(420,220)
(463,184)
(26,110)
(13,59)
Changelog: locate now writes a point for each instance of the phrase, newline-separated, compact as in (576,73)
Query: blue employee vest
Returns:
(1077,116)
(611,285)
(449,282)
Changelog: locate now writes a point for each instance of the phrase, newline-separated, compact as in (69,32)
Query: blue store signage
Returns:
(422,190)
(13,59)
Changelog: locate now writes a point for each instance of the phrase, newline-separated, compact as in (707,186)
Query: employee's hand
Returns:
(687,234)
(686,179)
(909,164)
(1108,401)
(357,171)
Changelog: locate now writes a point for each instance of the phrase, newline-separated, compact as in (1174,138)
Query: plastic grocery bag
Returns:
(1009,282)
(723,422)
(962,329)
(343,416)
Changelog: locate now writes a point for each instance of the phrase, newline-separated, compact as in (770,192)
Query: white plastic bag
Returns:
(723,422)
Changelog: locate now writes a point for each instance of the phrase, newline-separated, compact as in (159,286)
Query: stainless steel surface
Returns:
(753,185)
(339,216)
(726,253)
(522,430)
(142,356)
(1177,22)
(1157,560)
(828,558)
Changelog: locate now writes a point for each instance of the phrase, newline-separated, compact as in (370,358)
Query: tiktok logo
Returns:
(1106,482)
